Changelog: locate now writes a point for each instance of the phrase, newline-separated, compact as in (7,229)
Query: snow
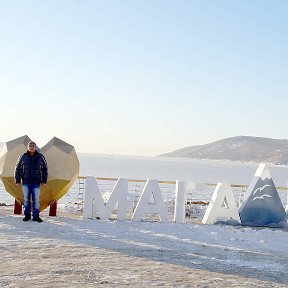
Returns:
(171,169)
(243,253)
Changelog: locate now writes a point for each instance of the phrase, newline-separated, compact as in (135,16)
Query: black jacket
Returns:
(31,169)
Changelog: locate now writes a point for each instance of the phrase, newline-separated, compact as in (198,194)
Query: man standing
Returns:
(31,170)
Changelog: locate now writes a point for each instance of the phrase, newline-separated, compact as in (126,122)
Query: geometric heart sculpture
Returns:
(63,168)
(262,205)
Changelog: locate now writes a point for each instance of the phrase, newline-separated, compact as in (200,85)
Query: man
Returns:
(31,171)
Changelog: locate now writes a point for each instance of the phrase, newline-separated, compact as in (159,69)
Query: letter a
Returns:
(216,210)
(144,207)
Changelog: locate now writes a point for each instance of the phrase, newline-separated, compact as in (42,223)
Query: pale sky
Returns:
(143,77)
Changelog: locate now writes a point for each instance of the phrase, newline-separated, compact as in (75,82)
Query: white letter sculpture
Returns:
(262,205)
(180,199)
(93,194)
(143,206)
(216,210)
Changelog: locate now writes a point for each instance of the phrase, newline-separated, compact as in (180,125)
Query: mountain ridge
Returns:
(238,148)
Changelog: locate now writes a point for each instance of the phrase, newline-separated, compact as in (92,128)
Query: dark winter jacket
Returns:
(31,169)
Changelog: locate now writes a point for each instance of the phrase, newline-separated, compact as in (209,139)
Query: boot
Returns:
(37,219)
(27,217)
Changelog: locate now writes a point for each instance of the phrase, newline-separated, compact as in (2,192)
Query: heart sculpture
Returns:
(63,168)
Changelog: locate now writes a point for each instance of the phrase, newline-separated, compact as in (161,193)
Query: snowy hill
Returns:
(239,148)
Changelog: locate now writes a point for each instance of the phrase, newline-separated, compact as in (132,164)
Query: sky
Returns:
(143,77)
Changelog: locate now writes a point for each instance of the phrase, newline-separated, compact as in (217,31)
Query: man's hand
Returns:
(18,184)
(43,184)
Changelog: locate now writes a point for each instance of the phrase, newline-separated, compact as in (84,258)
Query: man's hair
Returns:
(31,142)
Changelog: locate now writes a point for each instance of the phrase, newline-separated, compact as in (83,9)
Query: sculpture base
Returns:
(53,208)
(17,207)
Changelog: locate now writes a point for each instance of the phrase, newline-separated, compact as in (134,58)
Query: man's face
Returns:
(31,148)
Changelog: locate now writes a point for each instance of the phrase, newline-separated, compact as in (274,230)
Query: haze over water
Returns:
(167,169)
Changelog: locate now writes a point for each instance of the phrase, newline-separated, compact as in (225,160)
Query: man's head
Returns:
(31,147)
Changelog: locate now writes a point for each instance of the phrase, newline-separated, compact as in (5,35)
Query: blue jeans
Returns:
(27,191)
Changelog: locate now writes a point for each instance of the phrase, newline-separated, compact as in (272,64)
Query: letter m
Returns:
(93,198)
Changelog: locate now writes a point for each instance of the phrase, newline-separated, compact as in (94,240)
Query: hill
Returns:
(239,148)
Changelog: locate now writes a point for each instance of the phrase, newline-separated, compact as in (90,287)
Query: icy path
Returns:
(66,252)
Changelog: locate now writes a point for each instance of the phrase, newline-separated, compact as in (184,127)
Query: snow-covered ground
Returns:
(67,251)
